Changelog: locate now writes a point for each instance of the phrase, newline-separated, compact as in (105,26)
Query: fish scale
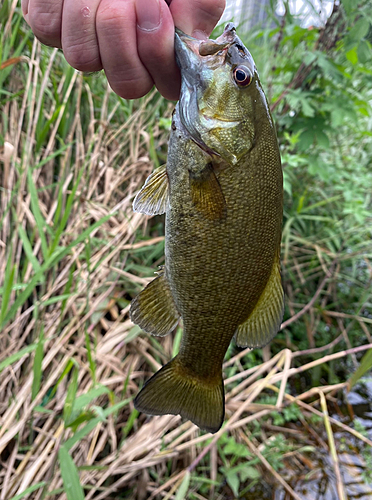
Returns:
(221,191)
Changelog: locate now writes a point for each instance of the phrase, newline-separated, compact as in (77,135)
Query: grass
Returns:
(72,256)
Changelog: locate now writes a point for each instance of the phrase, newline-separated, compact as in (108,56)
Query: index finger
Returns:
(156,46)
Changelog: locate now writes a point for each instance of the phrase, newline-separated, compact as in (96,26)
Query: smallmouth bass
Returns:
(221,191)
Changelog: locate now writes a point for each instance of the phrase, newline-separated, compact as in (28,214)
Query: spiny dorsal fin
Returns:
(153,198)
(206,194)
(154,309)
(264,322)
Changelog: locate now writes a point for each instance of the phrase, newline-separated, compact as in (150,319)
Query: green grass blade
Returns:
(363,368)
(70,397)
(66,212)
(7,288)
(84,400)
(92,364)
(50,262)
(79,435)
(183,489)
(29,490)
(28,249)
(37,367)
(70,476)
(71,363)
(39,219)
(16,356)
(128,426)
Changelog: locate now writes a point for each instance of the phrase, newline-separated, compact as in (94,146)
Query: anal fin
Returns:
(154,309)
(264,322)
(153,198)
(206,194)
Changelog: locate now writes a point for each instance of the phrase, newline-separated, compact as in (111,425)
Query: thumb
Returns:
(196,17)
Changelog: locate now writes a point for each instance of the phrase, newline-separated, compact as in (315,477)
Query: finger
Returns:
(79,40)
(155,42)
(117,38)
(197,17)
(44,18)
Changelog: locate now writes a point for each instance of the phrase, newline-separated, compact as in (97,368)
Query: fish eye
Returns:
(242,76)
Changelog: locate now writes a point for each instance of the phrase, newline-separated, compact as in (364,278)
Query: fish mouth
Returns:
(188,58)
(192,54)
(193,77)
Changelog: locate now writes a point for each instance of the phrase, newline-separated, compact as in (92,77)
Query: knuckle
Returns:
(82,53)
(109,17)
(46,27)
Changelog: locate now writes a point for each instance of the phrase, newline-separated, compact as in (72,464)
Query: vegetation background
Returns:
(73,255)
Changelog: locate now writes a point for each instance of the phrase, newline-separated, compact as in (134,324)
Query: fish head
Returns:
(222,102)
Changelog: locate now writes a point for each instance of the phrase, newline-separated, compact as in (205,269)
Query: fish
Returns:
(222,194)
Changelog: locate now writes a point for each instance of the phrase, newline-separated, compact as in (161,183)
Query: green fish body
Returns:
(222,191)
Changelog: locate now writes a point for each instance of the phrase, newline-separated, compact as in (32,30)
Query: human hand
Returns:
(132,40)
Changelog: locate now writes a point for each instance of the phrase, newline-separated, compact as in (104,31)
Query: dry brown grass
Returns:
(82,301)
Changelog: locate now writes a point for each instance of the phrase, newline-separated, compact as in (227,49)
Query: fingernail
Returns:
(148,14)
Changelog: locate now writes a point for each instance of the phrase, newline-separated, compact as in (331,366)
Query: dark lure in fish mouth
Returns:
(192,53)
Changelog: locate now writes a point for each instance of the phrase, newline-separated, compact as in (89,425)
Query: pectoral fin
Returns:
(153,198)
(264,322)
(154,309)
(206,194)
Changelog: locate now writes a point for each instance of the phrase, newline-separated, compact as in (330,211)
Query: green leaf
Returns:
(70,476)
(236,449)
(352,56)
(359,30)
(364,51)
(348,5)
(233,481)
(363,368)
(322,139)
(307,109)
(249,472)
(306,140)
(183,489)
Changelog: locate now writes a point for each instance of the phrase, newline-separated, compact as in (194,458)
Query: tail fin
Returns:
(176,391)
